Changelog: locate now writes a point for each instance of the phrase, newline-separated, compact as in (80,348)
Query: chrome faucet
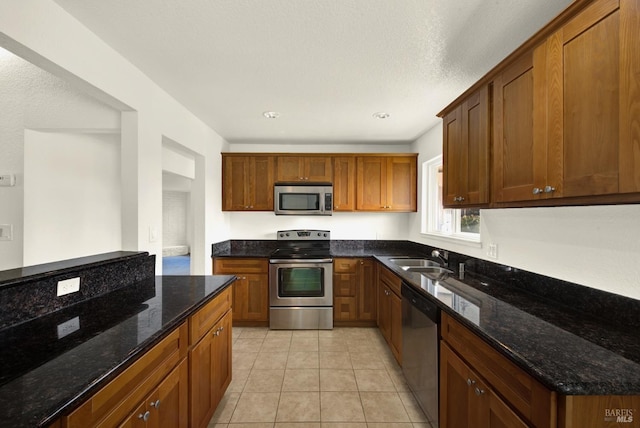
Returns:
(442,255)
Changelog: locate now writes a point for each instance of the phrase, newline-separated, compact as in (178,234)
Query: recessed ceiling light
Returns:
(381,115)
(271,114)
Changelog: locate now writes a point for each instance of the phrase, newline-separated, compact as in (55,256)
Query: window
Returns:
(459,224)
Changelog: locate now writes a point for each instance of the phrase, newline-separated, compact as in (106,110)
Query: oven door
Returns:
(301,283)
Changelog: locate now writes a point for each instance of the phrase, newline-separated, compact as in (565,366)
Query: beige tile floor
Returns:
(340,378)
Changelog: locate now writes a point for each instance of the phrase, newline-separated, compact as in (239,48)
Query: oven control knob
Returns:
(287,234)
(324,234)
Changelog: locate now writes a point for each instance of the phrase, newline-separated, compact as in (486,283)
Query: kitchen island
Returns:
(52,364)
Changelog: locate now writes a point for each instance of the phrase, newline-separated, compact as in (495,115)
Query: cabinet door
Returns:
(201,390)
(251,297)
(466,152)
(247,183)
(261,179)
(138,418)
(344,183)
(367,308)
(500,415)
(371,184)
(396,326)
(235,183)
(519,155)
(305,168)
(318,168)
(584,103)
(210,371)
(384,311)
(221,351)
(401,183)
(169,404)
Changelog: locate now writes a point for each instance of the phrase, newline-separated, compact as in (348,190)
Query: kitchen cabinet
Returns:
(247,182)
(251,289)
(593,76)
(386,183)
(466,132)
(304,168)
(390,310)
(166,406)
(519,153)
(210,358)
(467,401)
(160,374)
(354,301)
(481,388)
(344,183)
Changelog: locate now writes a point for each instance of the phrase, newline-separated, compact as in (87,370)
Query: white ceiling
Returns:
(325,65)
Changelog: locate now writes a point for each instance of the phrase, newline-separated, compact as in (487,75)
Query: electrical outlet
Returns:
(492,251)
(68,327)
(68,286)
(7,180)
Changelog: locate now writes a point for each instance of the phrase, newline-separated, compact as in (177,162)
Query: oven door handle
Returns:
(299,261)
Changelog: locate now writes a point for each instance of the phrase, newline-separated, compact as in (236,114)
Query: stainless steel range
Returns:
(301,281)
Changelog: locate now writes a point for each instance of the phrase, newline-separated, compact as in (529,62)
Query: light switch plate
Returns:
(492,251)
(68,327)
(6,232)
(7,180)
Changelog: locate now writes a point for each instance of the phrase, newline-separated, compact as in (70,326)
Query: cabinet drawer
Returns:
(390,279)
(344,284)
(345,265)
(344,309)
(120,396)
(232,265)
(527,396)
(206,317)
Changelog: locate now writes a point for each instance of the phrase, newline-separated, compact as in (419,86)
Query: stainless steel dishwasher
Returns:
(420,354)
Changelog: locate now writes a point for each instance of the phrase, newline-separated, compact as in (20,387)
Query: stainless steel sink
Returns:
(410,263)
(427,269)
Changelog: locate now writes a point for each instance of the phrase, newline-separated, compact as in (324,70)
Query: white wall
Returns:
(32,98)
(46,35)
(596,246)
(71,195)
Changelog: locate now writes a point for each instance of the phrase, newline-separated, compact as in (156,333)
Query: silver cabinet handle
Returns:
(458,199)
(155,404)
(479,391)
(537,190)
(144,416)
(549,189)
(470,382)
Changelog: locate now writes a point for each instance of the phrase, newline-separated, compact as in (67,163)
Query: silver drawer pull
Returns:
(479,391)
(155,404)
(144,416)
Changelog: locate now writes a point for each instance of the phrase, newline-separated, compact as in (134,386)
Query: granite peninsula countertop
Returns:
(53,363)
(570,352)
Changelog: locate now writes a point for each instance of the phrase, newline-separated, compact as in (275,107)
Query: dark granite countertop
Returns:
(568,353)
(537,322)
(52,364)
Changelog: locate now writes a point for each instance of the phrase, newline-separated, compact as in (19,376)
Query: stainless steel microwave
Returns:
(300,198)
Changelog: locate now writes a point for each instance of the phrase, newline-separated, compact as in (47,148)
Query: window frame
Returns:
(431,205)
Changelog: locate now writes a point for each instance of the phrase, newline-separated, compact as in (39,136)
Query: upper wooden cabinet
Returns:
(566,113)
(466,152)
(386,183)
(593,102)
(344,183)
(247,182)
(519,148)
(304,168)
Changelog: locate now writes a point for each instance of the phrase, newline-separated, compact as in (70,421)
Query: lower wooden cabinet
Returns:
(166,406)
(390,310)
(159,377)
(467,401)
(178,383)
(251,289)
(354,295)
(479,387)
(210,371)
